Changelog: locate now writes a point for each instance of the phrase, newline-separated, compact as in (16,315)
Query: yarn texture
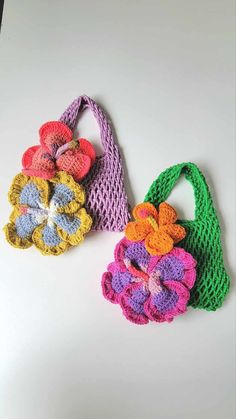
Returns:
(203,235)
(106,200)
(58,151)
(48,214)
(156,227)
(149,288)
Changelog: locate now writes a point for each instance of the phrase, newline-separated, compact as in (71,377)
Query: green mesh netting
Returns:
(203,235)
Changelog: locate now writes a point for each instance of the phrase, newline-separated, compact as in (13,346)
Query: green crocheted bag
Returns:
(203,238)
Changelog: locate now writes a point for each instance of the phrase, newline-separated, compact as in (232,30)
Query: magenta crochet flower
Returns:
(149,287)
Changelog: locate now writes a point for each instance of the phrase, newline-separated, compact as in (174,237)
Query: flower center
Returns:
(42,213)
(68,146)
(151,282)
(135,271)
(151,220)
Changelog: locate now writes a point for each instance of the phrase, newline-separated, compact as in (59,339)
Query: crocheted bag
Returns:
(106,198)
(203,235)
(150,278)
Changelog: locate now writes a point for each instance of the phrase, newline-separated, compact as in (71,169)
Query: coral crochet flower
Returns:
(149,288)
(156,227)
(48,214)
(58,151)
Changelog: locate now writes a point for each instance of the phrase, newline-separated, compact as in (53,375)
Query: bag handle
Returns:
(163,185)
(69,117)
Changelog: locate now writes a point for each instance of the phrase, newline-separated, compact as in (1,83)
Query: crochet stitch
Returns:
(104,184)
(149,288)
(48,214)
(203,238)
(58,151)
(157,228)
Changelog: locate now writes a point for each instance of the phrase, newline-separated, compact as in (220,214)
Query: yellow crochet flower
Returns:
(47,213)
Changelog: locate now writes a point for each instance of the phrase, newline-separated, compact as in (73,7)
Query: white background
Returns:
(164,71)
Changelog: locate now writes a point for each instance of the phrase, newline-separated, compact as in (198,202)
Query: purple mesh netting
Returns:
(106,200)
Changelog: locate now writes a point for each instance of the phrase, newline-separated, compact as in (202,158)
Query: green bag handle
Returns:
(163,185)
(203,235)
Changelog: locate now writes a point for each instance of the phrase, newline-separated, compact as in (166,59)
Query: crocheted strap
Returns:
(163,185)
(69,117)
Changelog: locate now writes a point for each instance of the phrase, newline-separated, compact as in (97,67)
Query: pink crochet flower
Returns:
(149,287)
(58,151)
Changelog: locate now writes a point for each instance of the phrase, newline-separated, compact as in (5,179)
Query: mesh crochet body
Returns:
(106,198)
(203,235)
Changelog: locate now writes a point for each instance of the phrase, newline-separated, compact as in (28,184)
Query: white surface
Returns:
(165,72)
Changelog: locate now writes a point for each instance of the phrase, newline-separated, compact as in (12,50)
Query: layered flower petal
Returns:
(47,213)
(158,243)
(149,287)
(58,151)
(171,268)
(48,241)
(137,231)
(68,196)
(73,228)
(28,191)
(187,259)
(132,302)
(38,162)
(175,231)
(87,149)
(75,163)
(144,210)
(137,255)
(167,214)
(171,302)
(114,282)
(54,134)
(14,239)
(156,228)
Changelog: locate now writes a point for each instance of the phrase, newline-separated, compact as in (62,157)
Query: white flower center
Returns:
(44,213)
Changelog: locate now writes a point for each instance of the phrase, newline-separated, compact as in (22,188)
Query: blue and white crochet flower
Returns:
(48,214)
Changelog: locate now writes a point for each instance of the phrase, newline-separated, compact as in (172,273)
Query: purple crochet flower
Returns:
(149,287)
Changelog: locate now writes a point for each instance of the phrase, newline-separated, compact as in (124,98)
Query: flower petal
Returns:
(144,210)
(175,231)
(28,191)
(168,304)
(167,214)
(171,268)
(113,283)
(187,259)
(189,278)
(15,240)
(158,243)
(132,302)
(137,255)
(28,156)
(47,240)
(87,148)
(75,163)
(120,251)
(137,230)
(68,195)
(54,134)
(38,162)
(25,225)
(72,228)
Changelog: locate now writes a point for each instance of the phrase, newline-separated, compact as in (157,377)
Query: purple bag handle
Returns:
(107,200)
(70,116)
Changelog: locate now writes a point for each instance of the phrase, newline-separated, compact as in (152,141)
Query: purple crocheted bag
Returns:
(106,198)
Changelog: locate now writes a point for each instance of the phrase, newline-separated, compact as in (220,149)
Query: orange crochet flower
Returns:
(156,227)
